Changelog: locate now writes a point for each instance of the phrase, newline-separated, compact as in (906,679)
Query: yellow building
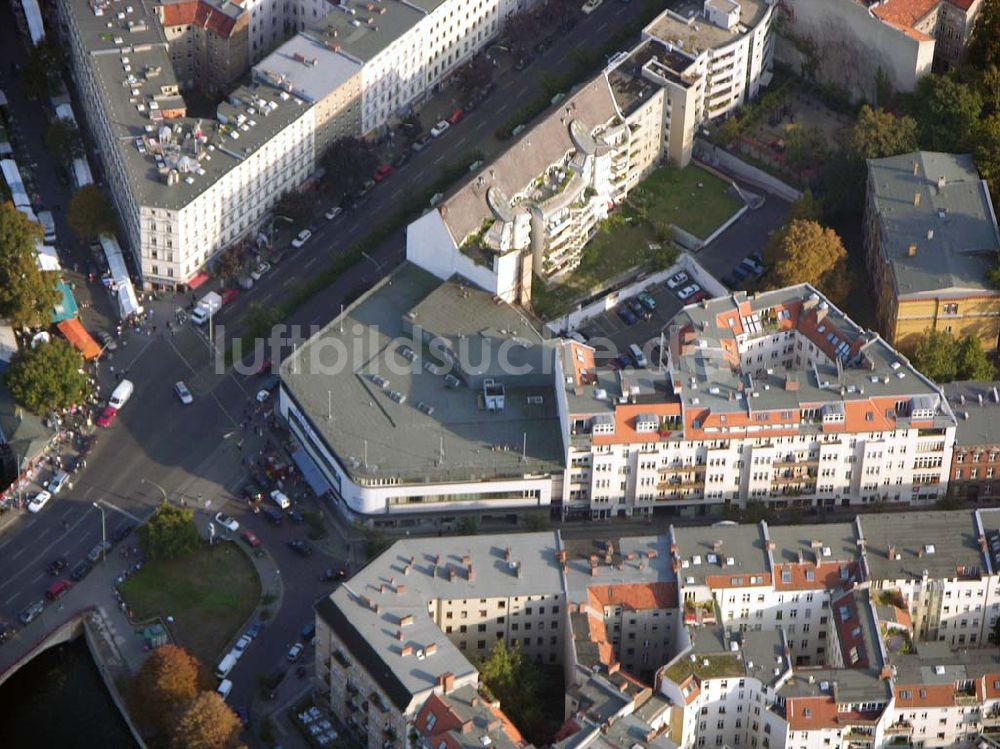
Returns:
(931,237)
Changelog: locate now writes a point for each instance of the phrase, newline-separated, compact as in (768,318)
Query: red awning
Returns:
(197,280)
(79,338)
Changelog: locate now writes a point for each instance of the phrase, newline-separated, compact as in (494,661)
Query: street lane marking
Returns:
(602,26)
(461,142)
(69,533)
(290,279)
(397,192)
(19,553)
(480,126)
(311,261)
(37,577)
(439,159)
(212,392)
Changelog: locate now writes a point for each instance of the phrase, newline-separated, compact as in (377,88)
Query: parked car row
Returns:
(748,269)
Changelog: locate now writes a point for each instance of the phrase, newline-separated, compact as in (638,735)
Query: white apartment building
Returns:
(185,188)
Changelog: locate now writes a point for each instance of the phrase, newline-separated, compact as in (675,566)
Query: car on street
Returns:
(107,341)
(456,116)
(300,547)
(34,611)
(382,172)
(295,516)
(227,522)
(80,570)
(98,551)
(257,273)
(366,188)
(626,316)
(274,517)
(646,300)
(295,652)
(591,5)
(39,501)
(330,574)
(6,631)
(301,238)
(440,129)
(678,279)
(241,645)
(253,630)
(252,541)
(243,715)
(473,102)
(688,291)
(421,143)
(183,393)
(263,395)
(57,482)
(58,589)
(333,213)
(57,565)
(522,63)
(121,532)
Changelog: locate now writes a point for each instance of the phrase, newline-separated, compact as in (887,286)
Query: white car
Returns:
(678,279)
(688,291)
(301,239)
(591,5)
(439,129)
(333,213)
(280,499)
(295,651)
(39,501)
(57,482)
(241,645)
(183,393)
(259,271)
(227,522)
(263,395)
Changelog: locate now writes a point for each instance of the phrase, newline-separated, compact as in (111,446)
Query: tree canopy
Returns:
(805,252)
(206,723)
(41,71)
(474,75)
(984,47)
(170,533)
(27,295)
(516,682)
(90,213)
(987,154)
(47,377)
(63,140)
(348,163)
(169,679)
(879,133)
(948,112)
(941,357)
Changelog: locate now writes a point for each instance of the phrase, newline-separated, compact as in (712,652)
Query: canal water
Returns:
(59,701)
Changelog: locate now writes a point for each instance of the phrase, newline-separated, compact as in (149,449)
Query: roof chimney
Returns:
(916,168)
(916,199)
(941,182)
(930,234)
(446,681)
(911,250)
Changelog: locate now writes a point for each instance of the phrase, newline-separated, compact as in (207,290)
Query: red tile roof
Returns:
(197,13)
(905,14)
(634,596)
(826,576)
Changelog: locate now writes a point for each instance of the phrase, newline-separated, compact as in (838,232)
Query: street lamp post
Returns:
(104,532)
(163,492)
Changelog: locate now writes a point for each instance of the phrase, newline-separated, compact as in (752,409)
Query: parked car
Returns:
(688,291)
(295,516)
(107,341)
(626,316)
(456,116)
(100,550)
(58,482)
(300,547)
(257,273)
(440,129)
(58,589)
(80,570)
(421,143)
(254,629)
(591,5)
(32,612)
(333,213)
(274,517)
(121,532)
(57,565)
(227,522)
(638,309)
(301,238)
(39,501)
(646,300)
(263,395)
(678,279)
(241,645)
(183,393)
(107,416)
(252,541)
(295,651)
(382,172)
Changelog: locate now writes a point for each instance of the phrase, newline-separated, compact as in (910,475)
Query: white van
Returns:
(638,357)
(225,666)
(121,394)
(225,687)
(279,498)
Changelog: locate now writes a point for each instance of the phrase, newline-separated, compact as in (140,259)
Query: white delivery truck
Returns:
(121,394)
(207,306)
(48,226)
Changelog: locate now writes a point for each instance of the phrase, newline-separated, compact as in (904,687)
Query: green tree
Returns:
(972,362)
(987,157)
(879,133)
(805,252)
(40,73)
(90,213)
(948,112)
(514,680)
(935,355)
(47,377)
(989,87)
(804,147)
(63,140)
(295,206)
(348,163)
(27,295)
(984,47)
(206,723)
(806,208)
(169,679)
(170,533)
(474,75)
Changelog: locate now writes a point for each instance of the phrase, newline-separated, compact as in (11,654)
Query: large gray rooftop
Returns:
(940,543)
(977,408)
(937,204)
(363,33)
(307,67)
(791,540)
(437,432)
(684,25)
(720,550)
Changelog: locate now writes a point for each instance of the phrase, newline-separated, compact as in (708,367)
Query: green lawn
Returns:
(705,667)
(695,200)
(210,594)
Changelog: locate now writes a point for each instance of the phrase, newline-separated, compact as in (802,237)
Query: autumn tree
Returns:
(805,252)
(879,133)
(987,154)
(63,140)
(806,207)
(90,213)
(170,533)
(169,679)
(948,113)
(474,75)
(27,295)
(804,147)
(984,47)
(206,723)
(47,376)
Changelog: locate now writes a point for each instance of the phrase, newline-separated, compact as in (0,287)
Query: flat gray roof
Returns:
(938,542)
(952,223)
(332,378)
(742,551)
(684,25)
(978,423)
(850,685)
(363,34)
(789,540)
(315,74)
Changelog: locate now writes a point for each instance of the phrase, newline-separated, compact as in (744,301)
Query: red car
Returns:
(456,116)
(229,295)
(107,416)
(251,539)
(382,172)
